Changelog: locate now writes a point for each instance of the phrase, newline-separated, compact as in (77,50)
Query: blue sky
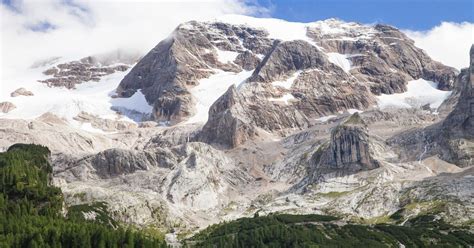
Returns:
(404,14)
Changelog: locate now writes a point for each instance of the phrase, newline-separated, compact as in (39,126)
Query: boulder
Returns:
(21,92)
(6,107)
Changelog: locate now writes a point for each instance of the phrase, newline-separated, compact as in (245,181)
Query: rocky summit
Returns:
(245,116)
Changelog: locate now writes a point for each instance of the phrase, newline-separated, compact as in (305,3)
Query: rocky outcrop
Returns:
(458,127)
(228,125)
(111,163)
(287,57)
(247,60)
(201,176)
(460,122)
(108,125)
(6,107)
(348,148)
(348,151)
(21,92)
(76,72)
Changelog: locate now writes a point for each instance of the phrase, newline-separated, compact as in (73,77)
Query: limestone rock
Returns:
(21,92)
(108,125)
(348,148)
(76,72)
(6,107)
(460,122)
(228,125)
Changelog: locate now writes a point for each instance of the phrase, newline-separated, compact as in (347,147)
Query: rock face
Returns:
(76,72)
(107,125)
(381,54)
(460,122)
(228,125)
(380,58)
(21,92)
(348,152)
(349,147)
(111,163)
(6,107)
(458,127)
(189,54)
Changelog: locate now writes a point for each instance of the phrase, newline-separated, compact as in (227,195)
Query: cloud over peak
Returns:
(35,30)
(448,42)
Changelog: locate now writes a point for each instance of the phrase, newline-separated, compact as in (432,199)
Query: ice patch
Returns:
(340,60)
(419,92)
(277,29)
(285,98)
(287,83)
(210,89)
(226,56)
(136,102)
(353,111)
(90,97)
(325,118)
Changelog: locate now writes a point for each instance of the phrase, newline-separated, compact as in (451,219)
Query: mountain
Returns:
(241,115)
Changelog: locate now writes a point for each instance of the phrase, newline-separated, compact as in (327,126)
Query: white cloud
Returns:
(448,43)
(80,28)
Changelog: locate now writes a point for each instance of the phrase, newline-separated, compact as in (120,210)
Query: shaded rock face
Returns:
(21,92)
(460,122)
(348,148)
(228,125)
(348,152)
(189,54)
(114,162)
(286,57)
(6,107)
(458,127)
(76,72)
(453,138)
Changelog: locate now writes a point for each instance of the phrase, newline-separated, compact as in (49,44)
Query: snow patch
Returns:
(136,102)
(340,60)
(288,82)
(285,98)
(226,56)
(353,111)
(89,128)
(91,97)
(419,92)
(326,118)
(276,28)
(210,89)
